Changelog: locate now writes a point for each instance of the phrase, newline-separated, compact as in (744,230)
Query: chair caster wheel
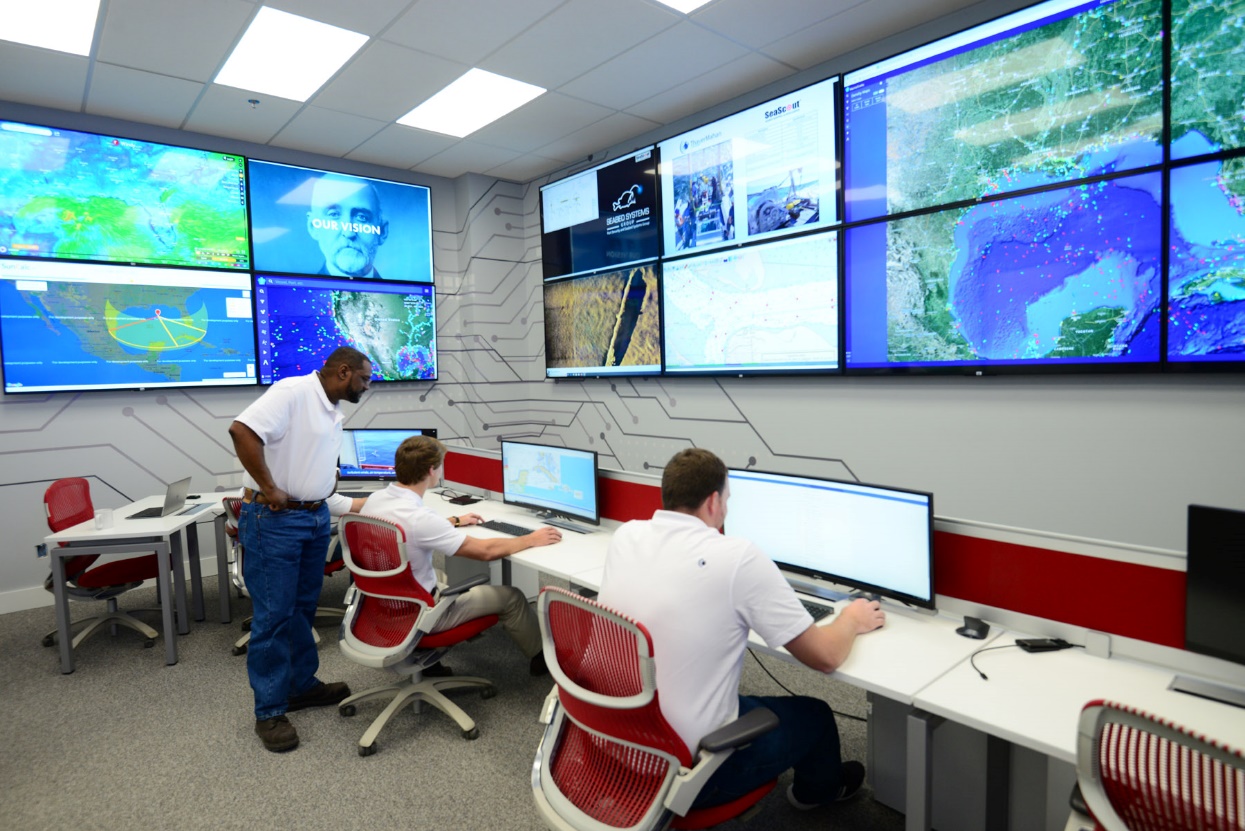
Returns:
(49,640)
(238,650)
(368,750)
(149,643)
(488,692)
(348,710)
(472,734)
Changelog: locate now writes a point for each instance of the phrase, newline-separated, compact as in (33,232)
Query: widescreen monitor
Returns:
(553,481)
(604,217)
(765,308)
(70,195)
(94,326)
(604,324)
(1215,583)
(308,221)
(1055,280)
(300,320)
(1206,267)
(762,172)
(367,453)
(1058,91)
(867,537)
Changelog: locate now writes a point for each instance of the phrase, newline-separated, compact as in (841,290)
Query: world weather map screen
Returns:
(558,480)
(604,324)
(1066,276)
(368,453)
(771,307)
(71,195)
(300,320)
(1062,90)
(80,326)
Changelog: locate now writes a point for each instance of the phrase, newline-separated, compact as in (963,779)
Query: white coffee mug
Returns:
(103,518)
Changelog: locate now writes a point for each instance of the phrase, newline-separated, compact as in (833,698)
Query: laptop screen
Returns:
(367,453)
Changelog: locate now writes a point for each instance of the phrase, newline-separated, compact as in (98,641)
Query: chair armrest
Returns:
(1079,819)
(432,615)
(459,588)
(741,731)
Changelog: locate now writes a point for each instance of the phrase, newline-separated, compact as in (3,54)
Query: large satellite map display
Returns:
(1208,86)
(82,196)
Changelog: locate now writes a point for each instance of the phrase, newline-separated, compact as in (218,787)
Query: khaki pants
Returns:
(508,603)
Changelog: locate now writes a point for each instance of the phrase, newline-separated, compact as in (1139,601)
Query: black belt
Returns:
(249,495)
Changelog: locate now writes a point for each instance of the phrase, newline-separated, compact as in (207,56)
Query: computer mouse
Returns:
(974,628)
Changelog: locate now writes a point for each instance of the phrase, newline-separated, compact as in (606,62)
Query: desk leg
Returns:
(179,585)
(998,777)
(64,634)
(163,556)
(222,569)
(918,800)
(196,569)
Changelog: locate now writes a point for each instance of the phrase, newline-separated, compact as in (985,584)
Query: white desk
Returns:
(163,535)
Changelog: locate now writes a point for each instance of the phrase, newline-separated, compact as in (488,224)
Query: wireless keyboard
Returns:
(505,528)
(817,610)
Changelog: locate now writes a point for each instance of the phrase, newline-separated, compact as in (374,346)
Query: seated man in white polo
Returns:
(418,462)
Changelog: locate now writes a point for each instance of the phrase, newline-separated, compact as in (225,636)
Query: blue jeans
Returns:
(284,571)
(806,739)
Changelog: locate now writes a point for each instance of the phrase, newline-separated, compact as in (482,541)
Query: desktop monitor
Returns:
(97,326)
(1215,583)
(300,320)
(367,453)
(872,538)
(316,222)
(553,481)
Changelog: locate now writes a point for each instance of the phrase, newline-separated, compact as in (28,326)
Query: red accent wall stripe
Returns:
(473,471)
(625,501)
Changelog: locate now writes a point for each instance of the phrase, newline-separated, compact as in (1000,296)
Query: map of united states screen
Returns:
(81,196)
(79,326)
(300,320)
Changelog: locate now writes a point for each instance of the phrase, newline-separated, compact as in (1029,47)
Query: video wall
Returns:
(129,264)
(1033,194)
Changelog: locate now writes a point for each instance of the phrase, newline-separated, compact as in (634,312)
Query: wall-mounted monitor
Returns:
(762,172)
(1058,91)
(1061,278)
(867,537)
(772,307)
(367,453)
(95,326)
(553,481)
(316,222)
(1207,86)
(1206,266)
(604,217)
(70,195)
(604,324)
(300,320)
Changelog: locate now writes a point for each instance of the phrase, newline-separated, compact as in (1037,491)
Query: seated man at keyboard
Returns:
(418,462)
(699,593)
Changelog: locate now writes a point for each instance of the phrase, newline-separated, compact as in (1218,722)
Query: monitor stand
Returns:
(561,522)
(1222,693)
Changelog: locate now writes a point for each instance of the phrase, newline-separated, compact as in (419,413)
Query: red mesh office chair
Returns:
(389,624)
(67,502)
(333,563)
(1137,772)
(608,758)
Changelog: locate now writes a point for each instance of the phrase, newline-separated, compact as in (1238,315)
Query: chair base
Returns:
(112,618)
(415,692)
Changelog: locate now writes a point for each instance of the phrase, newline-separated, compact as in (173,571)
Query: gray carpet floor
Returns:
(127,742)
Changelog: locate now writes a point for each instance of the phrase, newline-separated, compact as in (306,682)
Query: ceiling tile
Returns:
(658,64)
(539,122)
(368,17)
(756,24)
(524,169)
(366,86)
(329,133)
(577,37)
(178,38)
(751,71)
(29,75)
(400,146)
(147,97)
(608,132)
(224,111)
(466,157)
(465,30)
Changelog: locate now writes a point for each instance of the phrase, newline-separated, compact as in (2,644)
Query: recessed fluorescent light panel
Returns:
(475,99)
(288,56)
(63,25)
(685,6)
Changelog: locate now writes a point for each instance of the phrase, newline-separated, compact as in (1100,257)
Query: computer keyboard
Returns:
(817,610)
(505,527)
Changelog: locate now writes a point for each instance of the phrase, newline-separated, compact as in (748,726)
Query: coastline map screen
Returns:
(604,324)
(555,479)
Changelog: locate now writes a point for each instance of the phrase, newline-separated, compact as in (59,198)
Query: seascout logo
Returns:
(792,107)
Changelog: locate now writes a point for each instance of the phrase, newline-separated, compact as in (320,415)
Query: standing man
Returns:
(288,441)
(699,593)
(418,464)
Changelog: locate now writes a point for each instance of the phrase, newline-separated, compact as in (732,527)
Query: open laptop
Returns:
(174,501)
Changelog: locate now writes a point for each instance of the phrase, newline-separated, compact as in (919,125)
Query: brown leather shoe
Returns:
(321,695)
(277,734)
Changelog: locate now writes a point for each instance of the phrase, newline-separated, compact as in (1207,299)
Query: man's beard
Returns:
(351,260)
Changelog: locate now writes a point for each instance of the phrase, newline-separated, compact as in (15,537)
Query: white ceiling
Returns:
(615,69)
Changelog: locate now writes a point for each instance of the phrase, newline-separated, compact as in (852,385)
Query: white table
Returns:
(162,535)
